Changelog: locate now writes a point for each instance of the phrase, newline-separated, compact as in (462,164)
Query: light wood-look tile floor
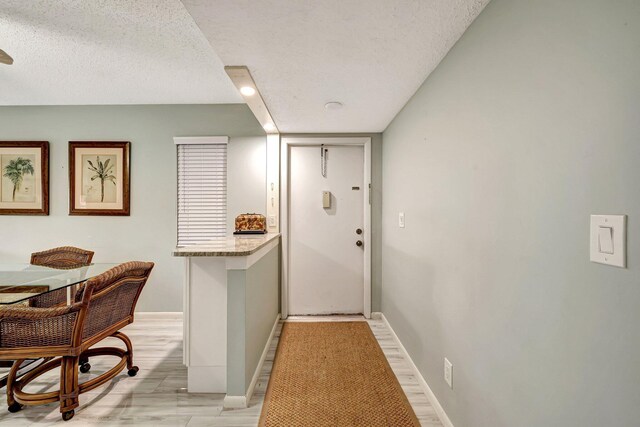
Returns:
(157,395)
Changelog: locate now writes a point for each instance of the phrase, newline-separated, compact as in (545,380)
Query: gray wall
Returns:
(262,307)
(376,209)
(150,232)
(528,126)
(252,306)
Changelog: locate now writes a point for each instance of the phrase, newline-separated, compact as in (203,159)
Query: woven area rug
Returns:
(333,374)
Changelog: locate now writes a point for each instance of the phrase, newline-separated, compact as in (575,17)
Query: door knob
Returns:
(359,231)
(359,243)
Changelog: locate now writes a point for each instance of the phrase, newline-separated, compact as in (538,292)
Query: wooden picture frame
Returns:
(24,178)
(99,178)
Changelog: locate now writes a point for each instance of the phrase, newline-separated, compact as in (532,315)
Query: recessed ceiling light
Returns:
(333,105)
(242,80)
(247,91)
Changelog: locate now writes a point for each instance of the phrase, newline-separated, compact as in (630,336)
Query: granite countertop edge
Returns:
(204,251)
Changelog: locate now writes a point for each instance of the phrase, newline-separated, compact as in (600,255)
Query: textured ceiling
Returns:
(107,52)
(371,55)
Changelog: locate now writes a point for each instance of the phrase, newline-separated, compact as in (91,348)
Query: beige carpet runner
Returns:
(333,374)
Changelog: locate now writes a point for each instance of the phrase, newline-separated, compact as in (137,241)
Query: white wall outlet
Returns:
(448,372)
(401,220)
(272,221)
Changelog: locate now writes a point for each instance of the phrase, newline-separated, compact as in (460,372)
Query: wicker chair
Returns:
(103,305)
(64,257)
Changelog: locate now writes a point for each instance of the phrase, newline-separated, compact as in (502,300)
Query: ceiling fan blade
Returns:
(5,58)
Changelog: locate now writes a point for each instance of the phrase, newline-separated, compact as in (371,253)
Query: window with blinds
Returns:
(202,189)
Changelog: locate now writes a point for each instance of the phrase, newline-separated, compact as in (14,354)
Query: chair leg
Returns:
(69,390)
(11,379)
(132,370)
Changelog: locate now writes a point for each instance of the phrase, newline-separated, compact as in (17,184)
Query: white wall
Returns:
(247,166)
(529,125)
(149,234)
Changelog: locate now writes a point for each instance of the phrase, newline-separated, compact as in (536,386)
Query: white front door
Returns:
(326,271)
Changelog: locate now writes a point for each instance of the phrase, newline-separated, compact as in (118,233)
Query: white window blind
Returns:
(202,189)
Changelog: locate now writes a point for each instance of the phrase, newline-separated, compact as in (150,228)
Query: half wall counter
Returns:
(231,310)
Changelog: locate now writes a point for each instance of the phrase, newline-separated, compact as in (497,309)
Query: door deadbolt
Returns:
(359,243)
(359,231)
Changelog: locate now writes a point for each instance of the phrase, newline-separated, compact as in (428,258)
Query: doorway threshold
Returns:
(327,318)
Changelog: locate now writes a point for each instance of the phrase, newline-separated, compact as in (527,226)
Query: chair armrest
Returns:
(37,313)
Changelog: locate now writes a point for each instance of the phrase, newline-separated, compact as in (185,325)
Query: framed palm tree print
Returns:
(99,178)
(24,178)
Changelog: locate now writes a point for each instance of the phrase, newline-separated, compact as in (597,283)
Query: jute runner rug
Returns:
(333,374)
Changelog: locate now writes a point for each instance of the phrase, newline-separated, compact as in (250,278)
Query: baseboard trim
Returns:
(235,402)
(169,315)
(238,402)
(376,315)
(446,422)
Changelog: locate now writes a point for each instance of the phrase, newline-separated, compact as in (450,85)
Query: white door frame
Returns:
(287,143)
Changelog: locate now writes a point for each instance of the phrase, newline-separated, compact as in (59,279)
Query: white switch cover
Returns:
(609,239)
(448,372)
(401,220)
(326,199)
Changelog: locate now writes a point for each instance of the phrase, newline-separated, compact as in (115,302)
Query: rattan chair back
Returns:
(24,328)
(112,296)
(62,257)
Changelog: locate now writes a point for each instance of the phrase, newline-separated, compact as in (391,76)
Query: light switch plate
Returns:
(401,220)
(448,372)
(326,199)
(608,241)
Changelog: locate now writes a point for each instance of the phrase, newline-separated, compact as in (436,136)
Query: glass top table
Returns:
(19,282)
